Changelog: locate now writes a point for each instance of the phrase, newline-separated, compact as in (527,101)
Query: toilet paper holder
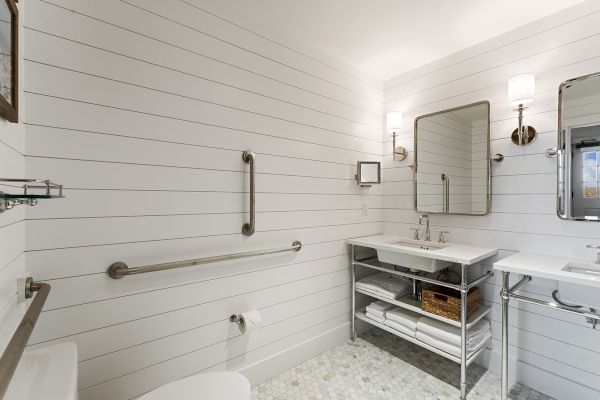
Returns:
(236,319)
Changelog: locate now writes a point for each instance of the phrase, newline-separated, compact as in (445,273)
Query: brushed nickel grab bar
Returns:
(446,192)
(16,346)
(120,269)
(248,228)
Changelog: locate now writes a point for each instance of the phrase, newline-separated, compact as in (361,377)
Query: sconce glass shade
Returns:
(521,89)
(393,121)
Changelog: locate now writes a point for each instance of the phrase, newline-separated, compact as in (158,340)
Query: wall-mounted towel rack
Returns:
(14,350)
(120,269)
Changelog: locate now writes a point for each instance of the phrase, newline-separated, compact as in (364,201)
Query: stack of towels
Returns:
(377,310)
(447,337)
(428,330)
(385,285)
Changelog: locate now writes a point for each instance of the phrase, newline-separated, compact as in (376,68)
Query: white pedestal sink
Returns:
(420,254)
(395,257)
(573,293)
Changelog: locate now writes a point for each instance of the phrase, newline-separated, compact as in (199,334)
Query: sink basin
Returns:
(572,293)
(393,254)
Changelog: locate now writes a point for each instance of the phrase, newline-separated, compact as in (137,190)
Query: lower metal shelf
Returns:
(361,315)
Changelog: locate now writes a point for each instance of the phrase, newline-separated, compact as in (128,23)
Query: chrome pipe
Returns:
(543,303)
(119,269)
(14,350)
(353,321)
(482,278)
(411,276)
(505,295)
(248,228)
(463,331)
(525,279)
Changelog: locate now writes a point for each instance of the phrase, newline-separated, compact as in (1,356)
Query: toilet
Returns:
(211,385)
(46,373)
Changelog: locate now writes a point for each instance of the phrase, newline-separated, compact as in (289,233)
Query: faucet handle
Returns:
(416,235)
(442,239)
(593,246)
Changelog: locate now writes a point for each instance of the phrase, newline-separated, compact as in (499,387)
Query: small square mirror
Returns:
(369,173)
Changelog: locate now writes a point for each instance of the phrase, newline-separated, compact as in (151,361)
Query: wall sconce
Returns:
(393,124)
(521,90)
(368,173)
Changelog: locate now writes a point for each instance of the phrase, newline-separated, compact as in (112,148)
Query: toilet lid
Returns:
(211,385)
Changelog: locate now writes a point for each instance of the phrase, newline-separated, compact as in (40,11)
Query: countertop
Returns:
(547,266)
(453,252)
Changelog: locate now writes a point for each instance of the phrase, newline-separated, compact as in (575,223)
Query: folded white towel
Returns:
(451,348)
(382,294)
(375,318)
(400,328)
(381,305)
(385,285)
(404,317)
(450,333)
(379,308)
(377,313)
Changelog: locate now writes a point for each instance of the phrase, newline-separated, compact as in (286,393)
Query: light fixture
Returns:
(393,125)
(521,90)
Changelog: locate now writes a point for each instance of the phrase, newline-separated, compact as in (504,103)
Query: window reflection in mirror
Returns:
(579,149)
(452,161)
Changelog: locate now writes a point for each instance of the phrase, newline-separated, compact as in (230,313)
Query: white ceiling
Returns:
(385,38)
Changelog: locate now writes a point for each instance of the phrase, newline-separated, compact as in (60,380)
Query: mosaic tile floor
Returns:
(381,366)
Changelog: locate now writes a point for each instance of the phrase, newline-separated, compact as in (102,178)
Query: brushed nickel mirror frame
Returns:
(559,152)
(496,158)
(10,111)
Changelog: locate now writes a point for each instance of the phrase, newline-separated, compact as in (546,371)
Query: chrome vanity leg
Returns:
(463,332)
(505,298)
(353,321)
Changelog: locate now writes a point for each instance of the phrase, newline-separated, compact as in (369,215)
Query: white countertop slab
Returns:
(546,266)
(453,252)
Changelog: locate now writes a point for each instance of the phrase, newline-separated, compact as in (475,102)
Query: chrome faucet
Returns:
(427,232)
(593,246)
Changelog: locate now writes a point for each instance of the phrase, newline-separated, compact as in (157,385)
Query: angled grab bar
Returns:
(248,228)
(120,269)
(12,354)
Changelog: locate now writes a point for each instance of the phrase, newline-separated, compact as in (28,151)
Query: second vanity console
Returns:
(419,260)
(578,291)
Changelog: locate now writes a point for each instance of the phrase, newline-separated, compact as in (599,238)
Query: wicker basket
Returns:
(445,302)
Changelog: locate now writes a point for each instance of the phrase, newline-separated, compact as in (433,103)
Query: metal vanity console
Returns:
(570,274)
(413,252)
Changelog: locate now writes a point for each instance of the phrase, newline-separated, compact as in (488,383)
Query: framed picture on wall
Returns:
(9,67)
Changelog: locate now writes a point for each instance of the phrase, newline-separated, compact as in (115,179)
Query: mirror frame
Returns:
(359,180)
(8,111)
(488,202)
(560,146)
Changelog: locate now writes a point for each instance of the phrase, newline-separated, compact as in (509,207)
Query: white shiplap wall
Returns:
(142,108)
(12,223)
(552,352)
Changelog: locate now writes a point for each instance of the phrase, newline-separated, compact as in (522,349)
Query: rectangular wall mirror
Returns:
(579,149)
(452,160)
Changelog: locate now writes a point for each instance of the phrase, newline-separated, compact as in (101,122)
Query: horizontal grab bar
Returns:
(13,352)
(120,269)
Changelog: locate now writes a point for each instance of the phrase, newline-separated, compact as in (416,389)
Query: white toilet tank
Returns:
(48,373)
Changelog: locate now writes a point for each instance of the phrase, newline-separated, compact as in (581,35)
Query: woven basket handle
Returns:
(441,297)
